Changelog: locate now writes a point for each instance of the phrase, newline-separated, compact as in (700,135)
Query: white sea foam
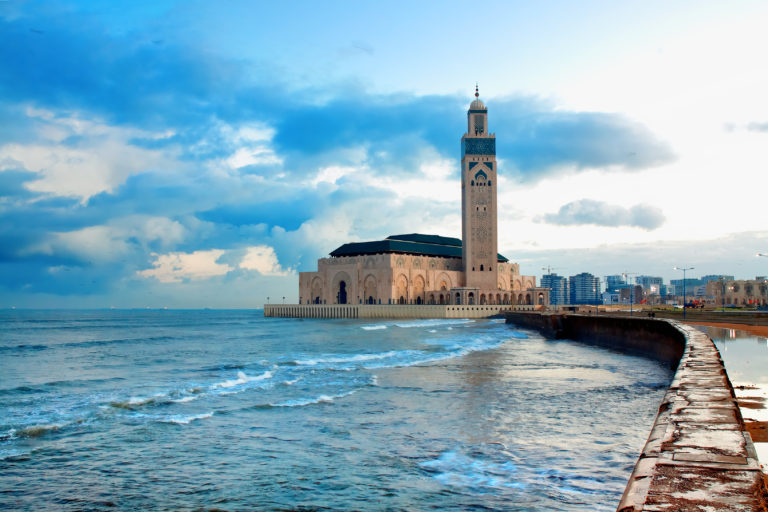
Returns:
(186,420)
(373,327)
(434,323)
(347,358)
(186,399)
(292,382)
(459,470)
(309,401)
(242,378)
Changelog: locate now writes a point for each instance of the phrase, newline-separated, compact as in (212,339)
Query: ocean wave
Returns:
(134,403)
(23,348)
(322,399)
(242,378)
(459,470)
(333,358)
(185,420)
(434,323)
(374,327)
(185,399)
(100,343)
(35,431)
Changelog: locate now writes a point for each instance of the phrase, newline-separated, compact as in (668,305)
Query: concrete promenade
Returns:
(698,455)
(393,311)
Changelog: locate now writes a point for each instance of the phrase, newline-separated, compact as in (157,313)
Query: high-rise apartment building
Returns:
(584,288)
(558,286)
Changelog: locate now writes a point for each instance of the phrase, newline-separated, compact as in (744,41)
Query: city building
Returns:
(738,292)
(648,281)
(429,269)
(584,288)
(615,282)
(558,288)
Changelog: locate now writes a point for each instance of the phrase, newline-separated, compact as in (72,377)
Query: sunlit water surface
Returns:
(226,409)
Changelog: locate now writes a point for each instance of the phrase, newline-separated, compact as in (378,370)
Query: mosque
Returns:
(429,269)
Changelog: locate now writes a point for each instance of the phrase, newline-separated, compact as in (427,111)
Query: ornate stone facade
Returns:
(427,269)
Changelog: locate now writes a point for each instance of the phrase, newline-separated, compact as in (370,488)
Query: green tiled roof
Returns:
(415,243)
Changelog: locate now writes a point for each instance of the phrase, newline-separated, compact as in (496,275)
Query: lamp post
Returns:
(684,270)
(631,290)
(722,284)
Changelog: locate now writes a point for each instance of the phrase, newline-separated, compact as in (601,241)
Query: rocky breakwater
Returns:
(698,455)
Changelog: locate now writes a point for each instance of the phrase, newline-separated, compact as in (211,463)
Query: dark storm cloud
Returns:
(598,213)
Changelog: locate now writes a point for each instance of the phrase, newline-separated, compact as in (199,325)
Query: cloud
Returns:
(262,259)
(588,211)
(177,266)
(731,254)
(124,161)
(757,127)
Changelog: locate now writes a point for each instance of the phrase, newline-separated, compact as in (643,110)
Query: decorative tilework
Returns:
(472,164)
(481,146)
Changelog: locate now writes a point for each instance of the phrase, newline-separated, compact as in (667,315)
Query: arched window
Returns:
(472,184)
(489,183)
(481,268)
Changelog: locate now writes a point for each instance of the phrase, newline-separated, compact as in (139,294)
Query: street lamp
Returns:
(631,290)
(684,270)
(722,284)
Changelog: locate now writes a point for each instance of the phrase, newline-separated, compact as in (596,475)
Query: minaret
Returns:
(478,199)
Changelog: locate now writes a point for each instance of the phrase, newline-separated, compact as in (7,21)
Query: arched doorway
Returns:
(370,289)
(458,298)
(528,299)
(442,299)
(341,296)
(317,290)
(418,301)
(401,300)
(471,299)
(482,300)
(541,299)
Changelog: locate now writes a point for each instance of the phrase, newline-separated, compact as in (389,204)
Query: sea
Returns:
(228,410)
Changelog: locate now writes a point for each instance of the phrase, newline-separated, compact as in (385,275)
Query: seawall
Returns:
(388,310)
(698,455)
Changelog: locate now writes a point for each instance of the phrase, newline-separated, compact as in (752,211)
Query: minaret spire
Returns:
(477,91)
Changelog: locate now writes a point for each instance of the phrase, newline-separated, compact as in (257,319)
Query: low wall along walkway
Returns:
(698,455)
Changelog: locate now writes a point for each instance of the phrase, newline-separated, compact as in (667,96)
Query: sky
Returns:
(201,154)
